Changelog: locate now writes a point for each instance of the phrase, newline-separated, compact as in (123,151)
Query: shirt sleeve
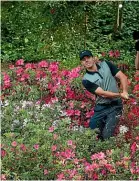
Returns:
(114,69)
(91,87)
(137,45)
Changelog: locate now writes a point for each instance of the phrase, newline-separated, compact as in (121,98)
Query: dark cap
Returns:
(84,53)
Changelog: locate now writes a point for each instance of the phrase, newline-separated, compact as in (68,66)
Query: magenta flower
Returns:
(36,146)
(14,143)
(43,64)
(19,62)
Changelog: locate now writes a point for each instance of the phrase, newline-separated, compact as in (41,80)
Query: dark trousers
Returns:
(106,117)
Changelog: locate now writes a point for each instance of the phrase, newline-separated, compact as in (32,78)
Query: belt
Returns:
(117,102)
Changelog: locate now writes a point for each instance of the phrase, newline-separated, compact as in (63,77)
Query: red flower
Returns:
(133,147)
(52,11)
(117,54)
(103,54)
(111,53)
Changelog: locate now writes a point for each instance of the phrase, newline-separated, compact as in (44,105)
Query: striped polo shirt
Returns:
(104,78)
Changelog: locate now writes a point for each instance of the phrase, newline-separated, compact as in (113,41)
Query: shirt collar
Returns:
(90,72)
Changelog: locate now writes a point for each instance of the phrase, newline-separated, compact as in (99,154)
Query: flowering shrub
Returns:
(45,134)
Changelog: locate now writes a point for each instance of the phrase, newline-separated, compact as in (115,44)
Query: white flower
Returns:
(6,103)
(123,129)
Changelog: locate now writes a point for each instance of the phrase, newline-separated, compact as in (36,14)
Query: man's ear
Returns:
(96,59)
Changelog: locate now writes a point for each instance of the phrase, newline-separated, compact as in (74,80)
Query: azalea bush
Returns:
(45,127)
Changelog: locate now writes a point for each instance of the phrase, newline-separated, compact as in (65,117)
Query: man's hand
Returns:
(124,95)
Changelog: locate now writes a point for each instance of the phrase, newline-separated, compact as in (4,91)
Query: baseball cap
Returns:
(84,53)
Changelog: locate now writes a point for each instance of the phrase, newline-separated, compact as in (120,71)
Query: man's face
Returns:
(88,62)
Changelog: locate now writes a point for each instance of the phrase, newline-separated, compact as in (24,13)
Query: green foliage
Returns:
(56,30)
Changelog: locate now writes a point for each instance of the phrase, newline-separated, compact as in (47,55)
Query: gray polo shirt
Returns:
(103,78)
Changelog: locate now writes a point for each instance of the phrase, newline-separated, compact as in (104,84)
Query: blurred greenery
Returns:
(58,30)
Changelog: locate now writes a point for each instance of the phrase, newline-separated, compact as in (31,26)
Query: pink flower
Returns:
(53,67)
(77,112)
(3,177)
(11,67)
(25,76)
(14,143)
(3,153)
(36,146)
(70,112)
(28,66)
(54,148)
(74,73)
(40,74)
(43,64)
(51,129)
(19,71)
(103,172)
(76,161)
(69,142)
(23,147)
(19,62)
(68,154)
(60,176)
(45,172)
(55,136)
(98,156)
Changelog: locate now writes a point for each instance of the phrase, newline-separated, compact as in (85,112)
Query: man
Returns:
(136,38)
(100,80)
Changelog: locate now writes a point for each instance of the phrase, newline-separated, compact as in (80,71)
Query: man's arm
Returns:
(123,79)
(107,94)
(95,89)
(121,76)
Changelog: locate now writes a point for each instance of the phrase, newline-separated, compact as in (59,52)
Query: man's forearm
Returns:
(108,94)
(124,84)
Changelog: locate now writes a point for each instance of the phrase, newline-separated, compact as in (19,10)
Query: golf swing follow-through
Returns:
(99,79)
